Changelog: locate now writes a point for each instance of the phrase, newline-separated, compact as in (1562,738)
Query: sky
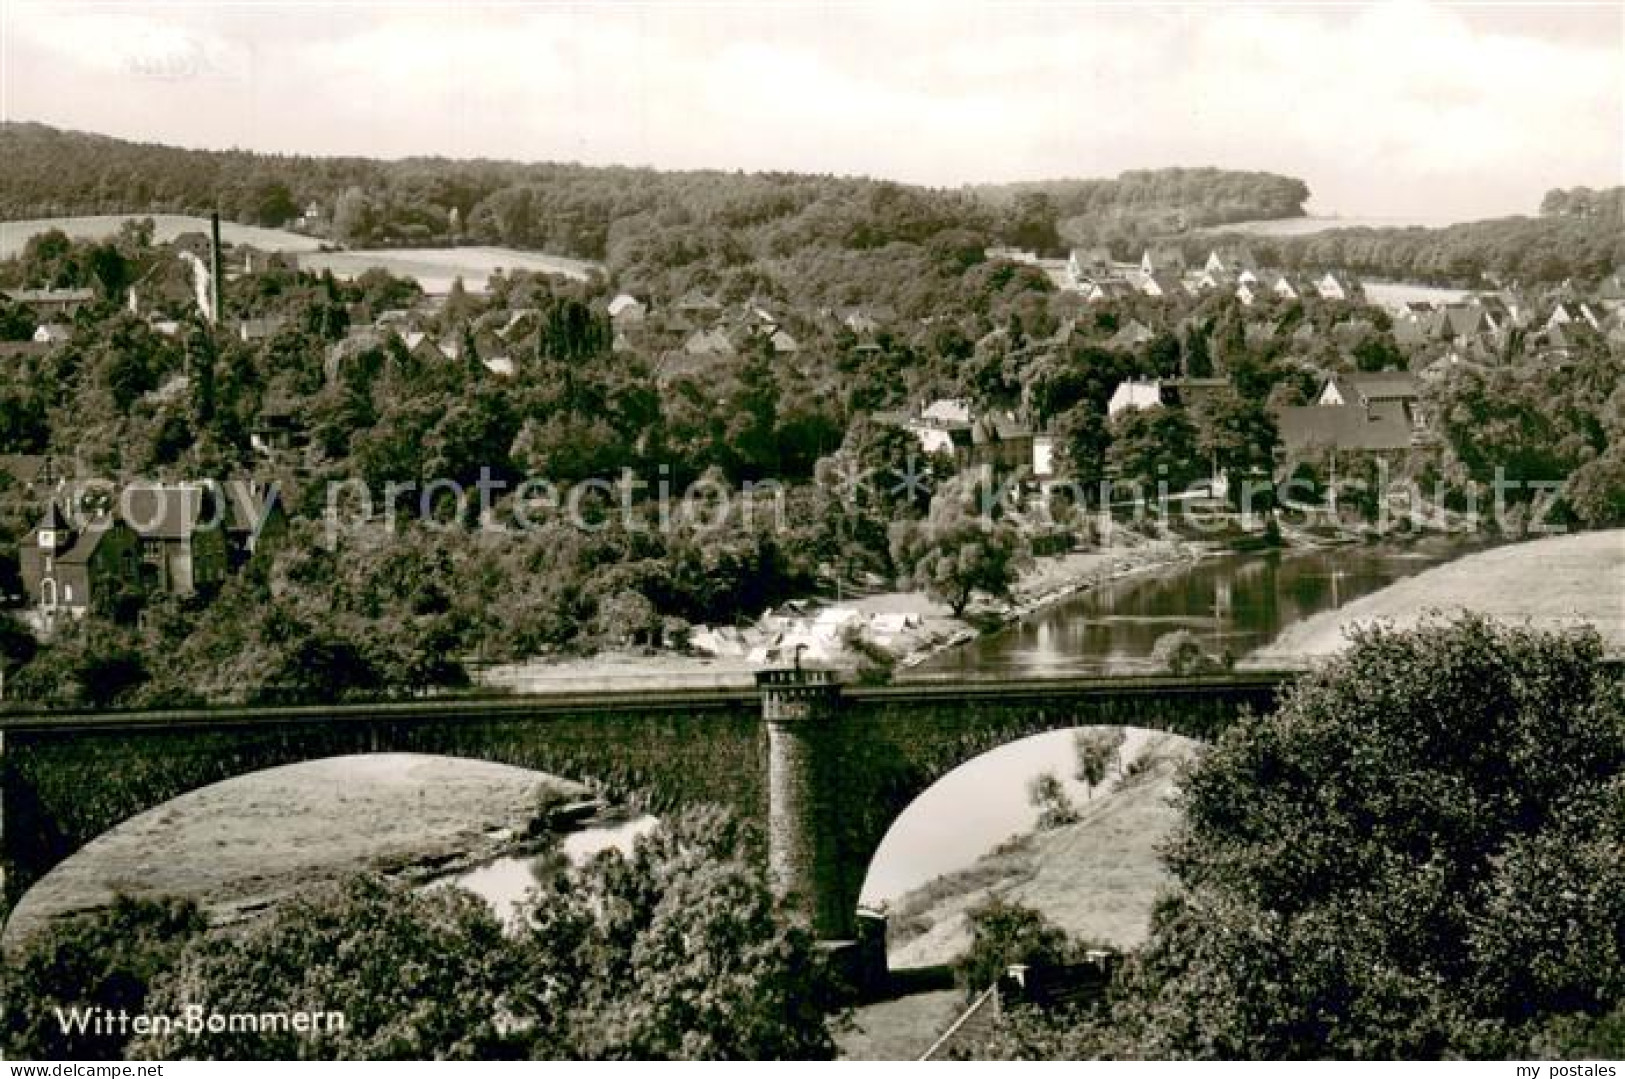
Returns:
(1398,109)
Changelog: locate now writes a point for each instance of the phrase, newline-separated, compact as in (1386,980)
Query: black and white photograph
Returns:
(811,530)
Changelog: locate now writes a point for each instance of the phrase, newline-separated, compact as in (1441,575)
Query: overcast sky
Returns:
(1394,109)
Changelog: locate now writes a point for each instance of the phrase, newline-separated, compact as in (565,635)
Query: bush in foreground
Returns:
(1416,856)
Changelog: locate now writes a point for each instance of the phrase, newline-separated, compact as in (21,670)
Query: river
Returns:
(504,883)
(1233,603)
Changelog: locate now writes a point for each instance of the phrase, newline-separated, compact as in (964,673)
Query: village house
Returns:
(712,342)
(1332,287)
(1559,341)
(250,330)
(1131,334)
(182,542)
(1307,431)
(1143,393)
(783,344)
(1234,262)
(1460,322)
(50,303)
(1000,441)
(70,568)
(1085,265)
(1011,254)
(625,309)
(1112,288)
(1611,292)
(1160,285)
(1166,259)
(1381,387)
(1138,393)
(52,333)
(953,427)
(697,304)
(1282,287)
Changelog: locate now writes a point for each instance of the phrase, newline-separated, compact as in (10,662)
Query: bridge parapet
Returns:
(797,693)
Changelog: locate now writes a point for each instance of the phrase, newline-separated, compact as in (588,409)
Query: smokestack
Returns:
(214,268)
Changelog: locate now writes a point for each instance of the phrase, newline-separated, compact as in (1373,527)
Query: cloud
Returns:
(1397,108)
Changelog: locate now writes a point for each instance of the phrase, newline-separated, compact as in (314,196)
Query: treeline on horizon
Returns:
(1559,245)
(1143,204)
(572,209)
(734,218)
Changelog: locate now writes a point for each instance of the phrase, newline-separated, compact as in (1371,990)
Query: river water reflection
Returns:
(1233,603)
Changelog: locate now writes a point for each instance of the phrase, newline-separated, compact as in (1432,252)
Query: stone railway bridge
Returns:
(821,767)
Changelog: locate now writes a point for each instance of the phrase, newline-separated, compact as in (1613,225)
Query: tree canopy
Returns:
(1416,856)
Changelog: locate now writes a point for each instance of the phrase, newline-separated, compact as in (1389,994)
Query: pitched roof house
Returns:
(1383,427)
(180,526)
(626,308)
(1368,388)
(1160,284)
(1137,393)
(1163,259)
(1332,287)
(1132,334)
(1282,286)
(68,568)
(50,302)
(1111,288)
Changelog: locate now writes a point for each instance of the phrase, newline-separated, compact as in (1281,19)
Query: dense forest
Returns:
(578,210)
(633,218)
(1144,204)
(1579,234)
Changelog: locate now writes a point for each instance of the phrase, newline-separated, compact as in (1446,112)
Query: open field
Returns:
(239,845)
(1551,583)
(1308,226)
(435,268)
(1394,295)
(14,234)
(1097,878)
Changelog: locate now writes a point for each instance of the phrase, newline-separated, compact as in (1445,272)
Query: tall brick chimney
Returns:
(214,268)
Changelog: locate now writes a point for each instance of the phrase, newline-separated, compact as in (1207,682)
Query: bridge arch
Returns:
(822,769)
(954,841)
(884,747)
(64,780)
(233,844)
